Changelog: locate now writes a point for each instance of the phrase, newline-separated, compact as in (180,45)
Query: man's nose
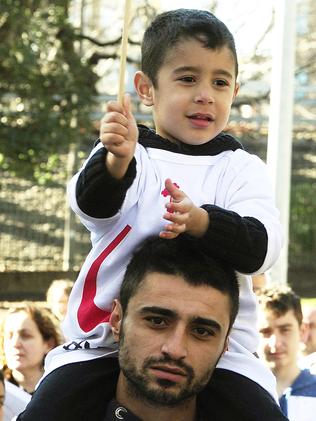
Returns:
(175,344)
(273,342)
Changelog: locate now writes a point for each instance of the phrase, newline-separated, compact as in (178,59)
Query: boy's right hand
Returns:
(119,134)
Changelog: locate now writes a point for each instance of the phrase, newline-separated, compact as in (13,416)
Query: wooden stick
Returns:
(127,12)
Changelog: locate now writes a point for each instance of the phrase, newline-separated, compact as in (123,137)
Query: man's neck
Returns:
(148,412)
(285,377)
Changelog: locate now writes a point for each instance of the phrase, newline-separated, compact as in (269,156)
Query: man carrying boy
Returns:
(127,190)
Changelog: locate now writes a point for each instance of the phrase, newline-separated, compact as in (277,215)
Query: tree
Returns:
(46,89)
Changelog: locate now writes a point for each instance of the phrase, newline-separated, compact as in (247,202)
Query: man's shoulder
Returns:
(305,384)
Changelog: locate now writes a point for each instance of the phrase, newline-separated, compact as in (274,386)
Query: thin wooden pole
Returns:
(281,121)
(127,13)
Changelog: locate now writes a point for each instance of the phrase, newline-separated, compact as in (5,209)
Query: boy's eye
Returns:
(187,79)
(220,82)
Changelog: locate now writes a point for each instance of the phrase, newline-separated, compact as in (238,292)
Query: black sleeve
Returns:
(240,241)
(98,193)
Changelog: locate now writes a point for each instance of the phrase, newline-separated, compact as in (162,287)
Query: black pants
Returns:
(81,391)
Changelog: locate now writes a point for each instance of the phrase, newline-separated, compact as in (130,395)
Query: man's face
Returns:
(171,339)
(280,339)
(311,338)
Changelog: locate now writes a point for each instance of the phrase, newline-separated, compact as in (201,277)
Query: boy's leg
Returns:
(74,392)
(231,396)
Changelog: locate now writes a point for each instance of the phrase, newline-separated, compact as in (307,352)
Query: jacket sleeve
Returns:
(241,241)
(98,194)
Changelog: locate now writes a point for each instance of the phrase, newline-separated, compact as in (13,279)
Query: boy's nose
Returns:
(204,97)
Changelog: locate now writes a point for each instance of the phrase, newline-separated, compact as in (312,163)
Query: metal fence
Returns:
(38,232)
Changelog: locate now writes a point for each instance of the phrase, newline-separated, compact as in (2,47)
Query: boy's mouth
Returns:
(201,119)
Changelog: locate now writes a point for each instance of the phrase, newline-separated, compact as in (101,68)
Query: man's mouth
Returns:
(167,372)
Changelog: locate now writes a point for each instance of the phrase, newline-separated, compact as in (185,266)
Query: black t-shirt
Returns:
(116,411)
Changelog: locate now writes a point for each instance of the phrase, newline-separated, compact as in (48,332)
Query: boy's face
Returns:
(280,339)
(195,90)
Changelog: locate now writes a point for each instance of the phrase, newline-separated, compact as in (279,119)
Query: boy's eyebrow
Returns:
(174,315)
(197,69)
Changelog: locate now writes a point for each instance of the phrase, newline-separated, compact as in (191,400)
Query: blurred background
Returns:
(59,65)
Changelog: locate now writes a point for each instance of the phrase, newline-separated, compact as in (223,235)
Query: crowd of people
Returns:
(287,343)
(29,331)
(161,321)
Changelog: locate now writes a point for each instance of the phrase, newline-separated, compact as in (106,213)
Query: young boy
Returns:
(128,189)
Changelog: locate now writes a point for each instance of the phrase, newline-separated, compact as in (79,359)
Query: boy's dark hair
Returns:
(168,28)
(280,300)
(181,256)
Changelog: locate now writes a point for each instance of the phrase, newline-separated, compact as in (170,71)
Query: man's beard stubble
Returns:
(160,395)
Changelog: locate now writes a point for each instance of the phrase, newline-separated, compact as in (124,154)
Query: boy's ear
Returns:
(236,90)
(116,319)
(144,88)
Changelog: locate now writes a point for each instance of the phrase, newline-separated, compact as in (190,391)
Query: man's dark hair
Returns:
(183,257)
(280,300)
(168,28)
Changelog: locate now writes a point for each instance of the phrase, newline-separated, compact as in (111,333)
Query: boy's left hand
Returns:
(183,215)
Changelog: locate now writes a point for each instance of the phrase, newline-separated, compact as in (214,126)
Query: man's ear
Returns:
(304,332)
(144,88)
(225,346)
(116,319)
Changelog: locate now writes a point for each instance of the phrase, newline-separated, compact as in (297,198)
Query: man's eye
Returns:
(156,321)
(203,332)
(265,333)
(285,330)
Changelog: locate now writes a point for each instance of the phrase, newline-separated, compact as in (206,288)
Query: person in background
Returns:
(15,401)
(310,320)
(28,334)
(308,359)
(282,330)
(57,297)
(260,281)
(2,396)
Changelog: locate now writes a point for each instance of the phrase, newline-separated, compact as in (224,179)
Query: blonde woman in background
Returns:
(57,297)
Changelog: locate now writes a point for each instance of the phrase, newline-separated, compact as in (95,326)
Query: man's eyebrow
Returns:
(207,322)
(285,325)
(173,314)
(158,310)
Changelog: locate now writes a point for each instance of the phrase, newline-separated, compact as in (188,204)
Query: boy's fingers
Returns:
(175,193)
(114,106)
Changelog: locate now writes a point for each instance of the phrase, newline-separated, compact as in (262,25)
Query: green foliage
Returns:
(46,88)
